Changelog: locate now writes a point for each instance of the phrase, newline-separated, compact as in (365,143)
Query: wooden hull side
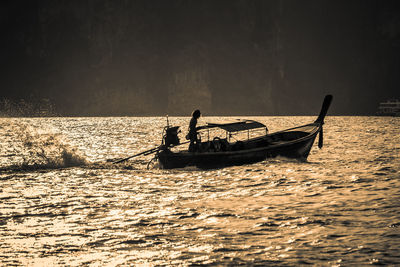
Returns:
(298,148)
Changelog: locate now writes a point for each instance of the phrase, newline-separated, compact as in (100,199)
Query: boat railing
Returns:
(210,133)
(237,136)
(311,127)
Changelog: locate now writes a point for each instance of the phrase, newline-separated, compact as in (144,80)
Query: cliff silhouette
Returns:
(224,57)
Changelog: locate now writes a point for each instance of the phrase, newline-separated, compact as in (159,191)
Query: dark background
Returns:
(226,57)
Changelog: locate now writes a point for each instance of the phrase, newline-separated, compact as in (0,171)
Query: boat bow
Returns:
(321,117)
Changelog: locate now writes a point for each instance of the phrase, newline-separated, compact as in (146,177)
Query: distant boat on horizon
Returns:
(389,108)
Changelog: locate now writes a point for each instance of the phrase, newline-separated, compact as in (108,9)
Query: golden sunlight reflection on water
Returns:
(341,207)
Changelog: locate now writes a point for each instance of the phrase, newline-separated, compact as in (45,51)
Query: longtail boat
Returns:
(222,151)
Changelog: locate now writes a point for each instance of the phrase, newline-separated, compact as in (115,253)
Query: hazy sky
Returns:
(227,57)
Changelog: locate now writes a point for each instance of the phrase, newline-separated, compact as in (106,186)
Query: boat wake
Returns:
(37,149)
(283,159)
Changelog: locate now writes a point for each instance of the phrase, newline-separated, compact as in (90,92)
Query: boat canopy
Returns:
(235,126)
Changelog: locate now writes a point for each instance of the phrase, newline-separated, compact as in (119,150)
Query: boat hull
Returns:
(291,143)
(297,148)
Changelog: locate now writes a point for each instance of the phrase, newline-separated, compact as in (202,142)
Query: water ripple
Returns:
(338,208)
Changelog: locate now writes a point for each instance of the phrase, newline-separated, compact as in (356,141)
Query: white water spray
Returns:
(30,148)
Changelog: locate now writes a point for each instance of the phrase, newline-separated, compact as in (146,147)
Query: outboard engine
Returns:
(171,136)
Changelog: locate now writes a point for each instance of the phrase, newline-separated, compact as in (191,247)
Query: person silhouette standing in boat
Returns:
(192,135)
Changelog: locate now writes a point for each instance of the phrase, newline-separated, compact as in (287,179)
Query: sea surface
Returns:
(62,201)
